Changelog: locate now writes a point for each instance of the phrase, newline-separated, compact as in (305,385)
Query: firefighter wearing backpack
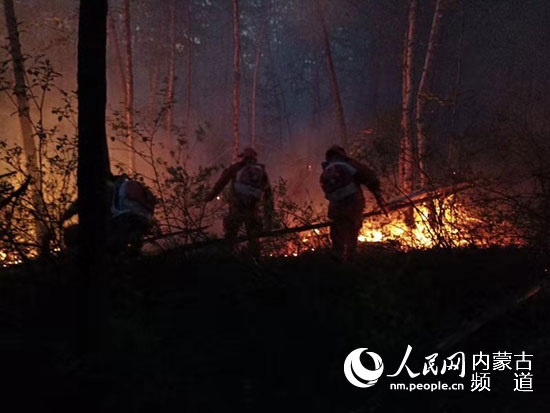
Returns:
(341,181)
(249,188)
(131,211)
(132,208)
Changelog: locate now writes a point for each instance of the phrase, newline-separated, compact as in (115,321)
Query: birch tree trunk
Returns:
(153,90)
(20,90)
(454,149)
(171,75)
(315,110)
(277,94)
(255,81)
(424,89)
(188,50)
(406,157)
(129,87)
(113,35)
(93,170)
(25,123)
(332,76)
(236,78)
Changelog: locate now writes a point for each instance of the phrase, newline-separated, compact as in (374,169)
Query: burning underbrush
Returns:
(446,222)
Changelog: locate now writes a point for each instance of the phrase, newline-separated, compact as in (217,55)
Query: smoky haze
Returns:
(491,61)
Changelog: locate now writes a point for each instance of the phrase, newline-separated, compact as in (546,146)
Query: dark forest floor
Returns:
(215,334)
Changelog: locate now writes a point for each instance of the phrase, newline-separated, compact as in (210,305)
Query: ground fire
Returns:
(440,219)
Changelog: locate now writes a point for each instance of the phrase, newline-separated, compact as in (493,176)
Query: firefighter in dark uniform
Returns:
(341,181)
(249,186)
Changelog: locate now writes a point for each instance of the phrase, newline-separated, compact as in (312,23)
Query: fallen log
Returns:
(406,201)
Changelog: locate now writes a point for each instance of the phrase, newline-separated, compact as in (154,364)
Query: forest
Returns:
(182,224)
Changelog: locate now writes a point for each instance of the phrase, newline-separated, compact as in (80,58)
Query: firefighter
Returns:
(132,209)
(249,187)
(341,181)
(130,215)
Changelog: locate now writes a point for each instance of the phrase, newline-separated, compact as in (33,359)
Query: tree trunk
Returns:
(406,158)
(20,90)
(188,49)
(93,169)
(332,76)
(276,93)
(375,67)
(285,115)
(454,149)
(153,90)
(171,76)
(424,90)
(129,87)
(236,78)
(25,122)
(113,35)
(255,81)
(315,111)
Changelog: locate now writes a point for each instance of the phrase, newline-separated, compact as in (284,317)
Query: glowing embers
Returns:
(437,223)
(295,245)
(8,259)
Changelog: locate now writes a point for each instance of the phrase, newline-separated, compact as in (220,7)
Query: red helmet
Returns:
(248,153)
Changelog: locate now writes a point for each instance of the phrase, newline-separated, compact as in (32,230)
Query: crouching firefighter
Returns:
(131,211)
(341,181)
(249,189)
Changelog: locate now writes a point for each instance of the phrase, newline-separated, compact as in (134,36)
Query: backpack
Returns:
(250,180)
(338,182)
(140,193)
(131,196)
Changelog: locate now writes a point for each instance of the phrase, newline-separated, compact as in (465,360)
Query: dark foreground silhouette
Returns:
(215,334)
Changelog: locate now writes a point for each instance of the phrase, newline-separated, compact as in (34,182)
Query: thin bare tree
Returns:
(153,90)
(188,57)
(129,77)
(255,80)
(406,157)
(315,109)
(236,78)
(20,88)
(171,75)
(453,152)
(337,99)
(424,92)
(113,36)
(25,122)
